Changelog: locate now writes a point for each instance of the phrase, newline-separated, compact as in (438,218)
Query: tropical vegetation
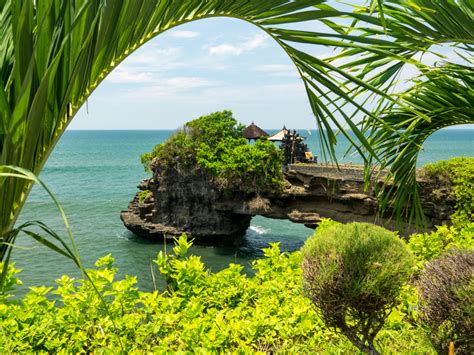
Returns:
(222,311)
(53,55)
(214,145)
(199,311)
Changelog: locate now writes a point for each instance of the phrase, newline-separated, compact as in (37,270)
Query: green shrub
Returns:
(427,246)
(9,282)
(353,273)
(258,166)
(214,144)
(144,195)
(458,172)
(446,287)
(180,149)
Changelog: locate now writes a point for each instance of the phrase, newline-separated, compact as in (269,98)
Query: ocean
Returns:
(94,175)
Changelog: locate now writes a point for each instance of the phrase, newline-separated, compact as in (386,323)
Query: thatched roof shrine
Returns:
(252,131)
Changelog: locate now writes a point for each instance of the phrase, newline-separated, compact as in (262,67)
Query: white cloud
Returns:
(170,87)
(238,48)
(124,76)
(285,70)
(183,34)
(245,94)
(155,56)
(145,65)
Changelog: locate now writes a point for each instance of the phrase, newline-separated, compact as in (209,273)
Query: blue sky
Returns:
(199,68)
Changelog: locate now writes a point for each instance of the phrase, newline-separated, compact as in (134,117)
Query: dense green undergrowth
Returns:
(200,311)
(214,144)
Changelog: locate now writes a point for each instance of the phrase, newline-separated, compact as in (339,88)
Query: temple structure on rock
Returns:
(291,142)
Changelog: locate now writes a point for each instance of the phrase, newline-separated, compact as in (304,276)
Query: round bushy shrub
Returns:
(353,273)
(446,287)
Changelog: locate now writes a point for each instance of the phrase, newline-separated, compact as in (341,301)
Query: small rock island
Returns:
(208,181)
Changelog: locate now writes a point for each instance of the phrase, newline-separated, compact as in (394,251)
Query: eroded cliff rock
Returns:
(190,202)
(184,202)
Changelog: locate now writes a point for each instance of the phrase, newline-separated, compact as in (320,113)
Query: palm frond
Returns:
(444,97)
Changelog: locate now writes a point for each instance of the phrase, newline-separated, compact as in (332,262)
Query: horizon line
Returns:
(174,129)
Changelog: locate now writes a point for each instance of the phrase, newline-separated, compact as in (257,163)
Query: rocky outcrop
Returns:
(184,202)
(189,202)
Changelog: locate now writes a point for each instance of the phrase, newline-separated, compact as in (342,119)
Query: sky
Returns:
(199,68)
(196,69)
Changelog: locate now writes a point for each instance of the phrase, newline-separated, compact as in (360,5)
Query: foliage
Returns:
(354,273)
(255,167)
(214,144)
(446,287)
(427,246)
(443,96)
(144,195)
(200,311)
(459,172)
(180,149)
(440,96)
(10,281)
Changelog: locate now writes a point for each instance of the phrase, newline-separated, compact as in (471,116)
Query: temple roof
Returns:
(252,131)
(277,137)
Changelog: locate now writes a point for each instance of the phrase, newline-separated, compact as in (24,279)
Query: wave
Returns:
(259,230)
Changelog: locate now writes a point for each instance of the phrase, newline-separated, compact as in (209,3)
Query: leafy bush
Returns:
(459,172)
(427,246)
(214,144)
(258,166)
(144,195)
(446,305)
(9,282)
(180,149)
(200,311)
(353,273)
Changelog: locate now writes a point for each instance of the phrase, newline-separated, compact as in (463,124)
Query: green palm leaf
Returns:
(445,95)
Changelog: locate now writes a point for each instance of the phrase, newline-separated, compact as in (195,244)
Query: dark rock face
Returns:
(189,202)
(183,202)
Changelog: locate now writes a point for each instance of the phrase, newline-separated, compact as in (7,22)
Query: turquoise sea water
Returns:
(94,175)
